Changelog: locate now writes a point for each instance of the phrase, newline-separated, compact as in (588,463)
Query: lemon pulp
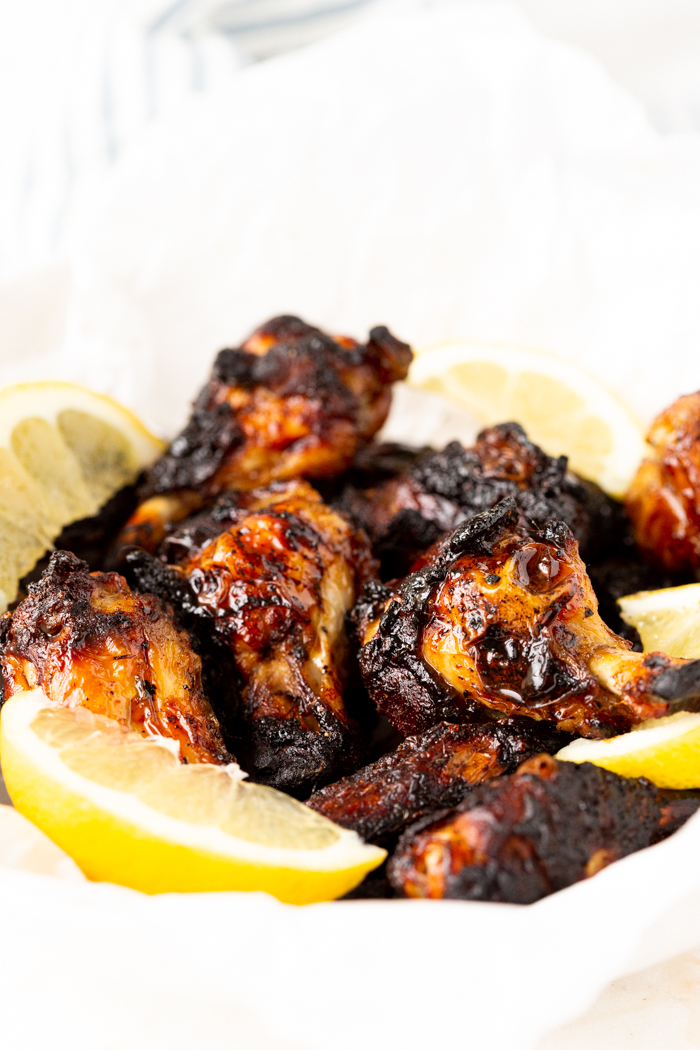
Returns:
(64,451)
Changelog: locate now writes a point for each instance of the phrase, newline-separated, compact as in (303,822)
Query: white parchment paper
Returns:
(450,173)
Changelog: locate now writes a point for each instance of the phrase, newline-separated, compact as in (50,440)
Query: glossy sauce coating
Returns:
(89,641)
(505,618)
(663,501)
(273,572)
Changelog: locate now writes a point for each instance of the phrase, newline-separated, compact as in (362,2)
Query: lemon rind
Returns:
(46,398)
(644,738)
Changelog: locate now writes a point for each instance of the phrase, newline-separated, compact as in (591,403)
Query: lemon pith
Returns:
(563,409)
(115,836)
(664,750)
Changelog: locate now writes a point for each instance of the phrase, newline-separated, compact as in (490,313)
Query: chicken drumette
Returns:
(87,640)
(663,501)
(407,513)
(521,837)
(291,402)
(504,618)
(268,576)
(429,772)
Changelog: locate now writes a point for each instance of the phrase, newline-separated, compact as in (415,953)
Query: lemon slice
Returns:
(667,620)
(23,846)
(126,810)
(64,450)
(563,409)
(664,750)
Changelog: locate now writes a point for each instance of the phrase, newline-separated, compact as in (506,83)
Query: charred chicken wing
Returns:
(663,501)
(291,402)
(429,772)
(87,640)
(504,618)
(521,837)
(271,574)
(406,514)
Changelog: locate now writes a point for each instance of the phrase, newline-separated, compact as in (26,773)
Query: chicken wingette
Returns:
(518,838)
(270,575)
(428,772)
(290,402)
(405,514)
(87,640)
(663,502)
(503,618)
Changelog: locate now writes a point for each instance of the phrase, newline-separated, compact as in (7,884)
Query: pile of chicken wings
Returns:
(402,638)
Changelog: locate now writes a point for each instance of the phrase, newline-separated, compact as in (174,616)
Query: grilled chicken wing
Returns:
(271,574)
(663,501)
(521,837)
(429,772)
(291,402)
(87,640)
(504,618)
(406,514)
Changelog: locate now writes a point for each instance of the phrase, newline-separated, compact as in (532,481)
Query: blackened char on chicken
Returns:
(406,514)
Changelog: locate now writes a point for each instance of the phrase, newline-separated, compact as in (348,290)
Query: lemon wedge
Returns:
(667,620)
(64,450)
(562,408)
(24,847)
(664,750)
(127,811)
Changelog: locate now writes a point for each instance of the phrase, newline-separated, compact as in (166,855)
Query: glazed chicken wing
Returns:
(504,618)
(429,772)
(271,574)
(87,640)
(663,501)
(406,514)
(521,837)
(291,402)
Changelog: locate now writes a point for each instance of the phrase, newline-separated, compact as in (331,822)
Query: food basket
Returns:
(450,173)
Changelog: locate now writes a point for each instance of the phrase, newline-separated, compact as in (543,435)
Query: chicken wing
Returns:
(291,402)
(406,514)
(663,501)
(87,640)
(521,837)
(504,618)
(429,772)
(271,574)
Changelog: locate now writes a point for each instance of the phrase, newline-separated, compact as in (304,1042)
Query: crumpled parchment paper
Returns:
(447,172)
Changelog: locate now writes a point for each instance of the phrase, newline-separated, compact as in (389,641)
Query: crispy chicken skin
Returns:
(87,639)
(271,575)
(429,772)
(663,502)
(504,618)
(406,514)
(521,837)
(291,402)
